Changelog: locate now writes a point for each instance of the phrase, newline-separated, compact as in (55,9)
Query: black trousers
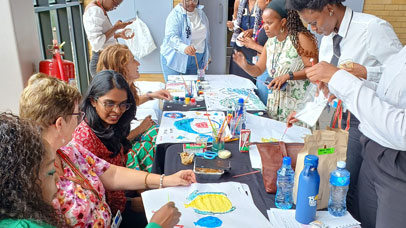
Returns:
(382,186)
(354,161)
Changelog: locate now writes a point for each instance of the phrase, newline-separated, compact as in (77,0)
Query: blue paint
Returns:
(209,222)
(186,125)
(174,115)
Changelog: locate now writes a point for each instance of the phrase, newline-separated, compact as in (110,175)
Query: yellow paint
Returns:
(212,203)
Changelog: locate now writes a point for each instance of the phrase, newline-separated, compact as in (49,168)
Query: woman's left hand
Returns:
(181,178)
(277,82)
(161,94)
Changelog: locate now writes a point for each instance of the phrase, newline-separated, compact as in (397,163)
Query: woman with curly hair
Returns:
(119,58)
(84,177)
(27,176)
(286,54)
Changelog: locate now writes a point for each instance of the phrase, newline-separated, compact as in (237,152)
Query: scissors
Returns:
(207,155)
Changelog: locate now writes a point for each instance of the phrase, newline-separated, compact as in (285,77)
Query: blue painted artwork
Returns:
(186,125)
(209,222)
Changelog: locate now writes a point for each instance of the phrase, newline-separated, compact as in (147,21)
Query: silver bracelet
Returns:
(161,181)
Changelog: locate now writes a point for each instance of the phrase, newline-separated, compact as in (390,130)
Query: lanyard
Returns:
(81,179)
(101,6)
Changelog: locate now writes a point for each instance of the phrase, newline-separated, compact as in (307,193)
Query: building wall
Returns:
(394,11)
(20,51)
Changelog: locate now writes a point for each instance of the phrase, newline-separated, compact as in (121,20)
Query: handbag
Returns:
(272,157)
(142,44)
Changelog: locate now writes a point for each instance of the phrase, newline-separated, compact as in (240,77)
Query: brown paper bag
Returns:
(330,146)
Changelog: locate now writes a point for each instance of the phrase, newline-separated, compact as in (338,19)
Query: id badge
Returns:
(117,220)
(254,59)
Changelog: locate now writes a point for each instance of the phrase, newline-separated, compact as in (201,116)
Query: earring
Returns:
(63,141)
(331,13)
(282,30)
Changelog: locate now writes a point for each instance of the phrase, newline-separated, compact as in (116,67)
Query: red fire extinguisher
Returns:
(57,67)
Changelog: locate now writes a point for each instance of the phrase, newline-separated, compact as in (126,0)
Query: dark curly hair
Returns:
(114,136)
(295,26)
(21,155)
(318,5)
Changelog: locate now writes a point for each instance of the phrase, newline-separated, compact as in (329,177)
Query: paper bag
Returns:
(330,146)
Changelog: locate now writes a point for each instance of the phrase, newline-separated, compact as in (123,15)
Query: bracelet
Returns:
(148,95)
(145,181)
(161,181)
(290,75)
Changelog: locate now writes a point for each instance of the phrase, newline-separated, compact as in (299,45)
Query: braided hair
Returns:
(295,26)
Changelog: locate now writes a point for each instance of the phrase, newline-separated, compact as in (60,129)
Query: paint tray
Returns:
(210,169)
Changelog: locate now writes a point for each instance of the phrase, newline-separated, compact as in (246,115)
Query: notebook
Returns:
(286,219)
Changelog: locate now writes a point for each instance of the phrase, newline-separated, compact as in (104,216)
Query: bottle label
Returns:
(323,151)
(339,181)
(313,200)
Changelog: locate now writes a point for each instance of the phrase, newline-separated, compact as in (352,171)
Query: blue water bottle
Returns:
(284,185)
(309,181)
(241,111)
(339,182)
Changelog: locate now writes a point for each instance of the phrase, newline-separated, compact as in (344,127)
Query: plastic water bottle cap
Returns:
(341,164)
(241,100)
(311,160)
(287,160)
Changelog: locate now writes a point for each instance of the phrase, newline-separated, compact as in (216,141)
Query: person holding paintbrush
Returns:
(186,45)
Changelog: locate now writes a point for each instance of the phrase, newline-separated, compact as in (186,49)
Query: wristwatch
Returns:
(290,75)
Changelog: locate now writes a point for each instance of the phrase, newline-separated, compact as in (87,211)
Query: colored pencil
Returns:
(249,173)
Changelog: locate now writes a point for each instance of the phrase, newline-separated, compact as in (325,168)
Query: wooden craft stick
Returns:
(249,173)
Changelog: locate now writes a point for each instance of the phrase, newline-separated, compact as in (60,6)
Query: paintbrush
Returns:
(244,174)
(286,129)
(187,88)
(212,127)
(197,64)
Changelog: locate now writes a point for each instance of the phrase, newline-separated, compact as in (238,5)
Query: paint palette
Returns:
(210,169)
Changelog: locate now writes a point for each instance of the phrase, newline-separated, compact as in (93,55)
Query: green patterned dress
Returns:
(143,151)
(286,58)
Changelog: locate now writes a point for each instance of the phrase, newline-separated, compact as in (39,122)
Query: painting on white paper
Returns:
(268,130)
(184,127)
(221,99)
(208,205)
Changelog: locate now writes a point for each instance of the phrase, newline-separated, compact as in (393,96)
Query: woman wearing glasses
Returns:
(120,59)
(99,30)
(84,177)
(186,40)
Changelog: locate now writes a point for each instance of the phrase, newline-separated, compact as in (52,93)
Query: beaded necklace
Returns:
(275,61)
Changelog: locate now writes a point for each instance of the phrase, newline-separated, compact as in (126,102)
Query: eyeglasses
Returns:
(191,1)
(108,106)
(80,116)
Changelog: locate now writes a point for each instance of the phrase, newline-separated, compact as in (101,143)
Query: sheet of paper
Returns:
(268,130)
(208,205)
(178,88)
(218,81)
(286,219)
(221,99)
(312,110)
(184,127)
(255,157)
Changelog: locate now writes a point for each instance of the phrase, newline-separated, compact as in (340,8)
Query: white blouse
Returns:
(96,24)
(199,31)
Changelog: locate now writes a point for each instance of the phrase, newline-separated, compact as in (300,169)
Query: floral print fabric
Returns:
(85,136)
(281,103)
(80,206)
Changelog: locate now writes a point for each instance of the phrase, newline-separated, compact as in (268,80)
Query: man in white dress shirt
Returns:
(360,38)
(381,109)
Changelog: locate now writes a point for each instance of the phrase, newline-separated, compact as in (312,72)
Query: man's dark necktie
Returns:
(336,49)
